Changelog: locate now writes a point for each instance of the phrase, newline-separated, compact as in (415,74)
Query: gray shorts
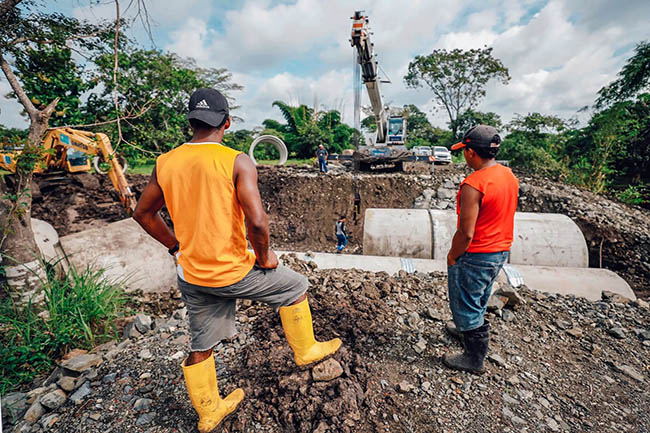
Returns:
(211,310)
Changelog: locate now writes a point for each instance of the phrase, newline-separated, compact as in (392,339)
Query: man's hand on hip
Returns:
(451,261)
(268,262)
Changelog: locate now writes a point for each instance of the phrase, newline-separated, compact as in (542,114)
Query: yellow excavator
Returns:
(70,150)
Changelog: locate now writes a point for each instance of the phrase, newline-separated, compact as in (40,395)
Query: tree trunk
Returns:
(21,256)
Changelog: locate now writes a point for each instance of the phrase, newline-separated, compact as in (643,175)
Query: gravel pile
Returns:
(556,364)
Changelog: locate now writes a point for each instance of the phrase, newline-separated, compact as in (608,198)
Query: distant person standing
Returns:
(486,205)
(341,236)
(322,155)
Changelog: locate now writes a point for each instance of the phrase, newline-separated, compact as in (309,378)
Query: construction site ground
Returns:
(556,363)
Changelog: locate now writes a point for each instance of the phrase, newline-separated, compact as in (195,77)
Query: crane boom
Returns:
(369,70)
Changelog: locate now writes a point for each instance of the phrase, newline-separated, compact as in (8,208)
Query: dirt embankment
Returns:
(303,206)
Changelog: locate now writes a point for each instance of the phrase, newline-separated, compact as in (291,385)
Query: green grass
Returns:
(146,168)
(79,311)
(457,158)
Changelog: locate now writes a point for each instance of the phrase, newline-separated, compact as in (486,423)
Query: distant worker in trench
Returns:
(212,196)
(486,205)
(341,235)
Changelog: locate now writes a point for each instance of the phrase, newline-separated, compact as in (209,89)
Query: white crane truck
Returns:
(387,149)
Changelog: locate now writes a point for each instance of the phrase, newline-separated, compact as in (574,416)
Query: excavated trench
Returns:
(304,205)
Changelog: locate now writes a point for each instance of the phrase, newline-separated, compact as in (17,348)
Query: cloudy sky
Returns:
(559,52)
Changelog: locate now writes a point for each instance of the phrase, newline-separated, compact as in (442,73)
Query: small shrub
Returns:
(79,310)
(633,194)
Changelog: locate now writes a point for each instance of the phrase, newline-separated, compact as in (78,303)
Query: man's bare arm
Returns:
(257,223)
(470,202)
(147,215)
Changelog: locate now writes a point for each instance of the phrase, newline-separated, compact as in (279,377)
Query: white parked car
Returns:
(441,154)
(422,150)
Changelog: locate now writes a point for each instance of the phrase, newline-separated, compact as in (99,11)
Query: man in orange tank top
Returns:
(212,197)
(486,205)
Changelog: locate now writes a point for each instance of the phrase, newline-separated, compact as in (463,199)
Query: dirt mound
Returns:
(75,203)
(556,364)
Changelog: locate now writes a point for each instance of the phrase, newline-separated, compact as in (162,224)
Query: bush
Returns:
(634,194)
(79,311)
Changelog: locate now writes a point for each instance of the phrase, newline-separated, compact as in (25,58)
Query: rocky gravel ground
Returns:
(556,364)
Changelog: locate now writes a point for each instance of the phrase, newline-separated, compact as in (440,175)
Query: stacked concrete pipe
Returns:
(539,239)
(125,251)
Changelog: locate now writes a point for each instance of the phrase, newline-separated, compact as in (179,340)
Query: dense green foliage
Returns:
(153,90)
(304,130)
(57,76)
(79,311)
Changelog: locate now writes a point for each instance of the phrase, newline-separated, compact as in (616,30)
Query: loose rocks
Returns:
(327,370)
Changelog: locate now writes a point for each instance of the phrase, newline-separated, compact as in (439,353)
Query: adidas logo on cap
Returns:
(202,104)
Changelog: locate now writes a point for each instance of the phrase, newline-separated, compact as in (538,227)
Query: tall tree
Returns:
(633,79)
(153,87)
(457,78)
(48,72)
(23,28)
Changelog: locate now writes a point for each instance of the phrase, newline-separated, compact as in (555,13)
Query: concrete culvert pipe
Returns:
(539,239)
(279,144)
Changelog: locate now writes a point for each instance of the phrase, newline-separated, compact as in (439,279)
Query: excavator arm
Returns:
(71,150)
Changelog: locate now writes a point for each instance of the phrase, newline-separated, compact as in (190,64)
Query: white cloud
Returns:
(328,91)
(10,109)
(558,58)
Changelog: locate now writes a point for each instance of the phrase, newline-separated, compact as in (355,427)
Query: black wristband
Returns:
(172,250)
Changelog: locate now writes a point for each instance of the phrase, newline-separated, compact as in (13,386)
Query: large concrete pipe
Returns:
(279,144)
(539,239)
(584,282)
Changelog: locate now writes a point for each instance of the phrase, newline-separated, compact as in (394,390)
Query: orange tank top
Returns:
(196,180)
(496,216)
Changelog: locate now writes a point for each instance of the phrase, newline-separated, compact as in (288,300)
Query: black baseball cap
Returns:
(209,106)
(479,136)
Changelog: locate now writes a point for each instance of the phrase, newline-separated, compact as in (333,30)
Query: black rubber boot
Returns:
(451,329)
(476,345)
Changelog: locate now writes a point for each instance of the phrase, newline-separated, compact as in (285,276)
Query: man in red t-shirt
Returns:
(486,205)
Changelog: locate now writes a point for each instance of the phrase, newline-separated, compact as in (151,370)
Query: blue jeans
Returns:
(342,241)
(470,283)
(322,164)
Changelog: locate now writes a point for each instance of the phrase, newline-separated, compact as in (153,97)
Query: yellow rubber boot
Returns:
(201,381)
(298,328)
